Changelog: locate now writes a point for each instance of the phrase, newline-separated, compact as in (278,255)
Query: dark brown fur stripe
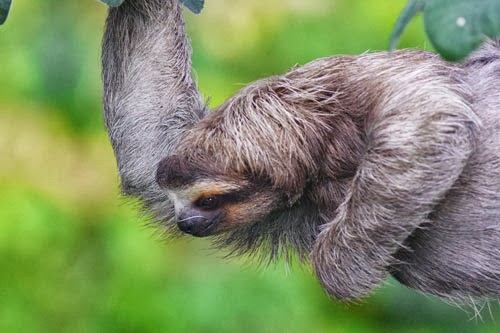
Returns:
(178,171)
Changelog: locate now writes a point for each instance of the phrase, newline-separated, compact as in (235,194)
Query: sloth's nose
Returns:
(194,224)
(189,225)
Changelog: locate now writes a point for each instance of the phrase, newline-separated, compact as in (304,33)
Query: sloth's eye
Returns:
(209,202)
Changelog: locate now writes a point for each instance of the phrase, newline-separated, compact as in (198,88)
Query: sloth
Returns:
(370,165)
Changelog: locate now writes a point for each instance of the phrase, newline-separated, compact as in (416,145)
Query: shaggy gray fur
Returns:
(385,163)
(150,98)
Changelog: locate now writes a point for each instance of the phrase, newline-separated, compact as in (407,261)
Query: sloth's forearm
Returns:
(149,97)
(388,200)
(415,153)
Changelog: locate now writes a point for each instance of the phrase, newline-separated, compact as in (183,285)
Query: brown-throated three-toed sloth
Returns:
(370,164)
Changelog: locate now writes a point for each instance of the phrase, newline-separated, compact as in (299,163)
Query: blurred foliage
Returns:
(114,3)
(412,8)
(455,27)
(194,5)
(76,257)
(4,9)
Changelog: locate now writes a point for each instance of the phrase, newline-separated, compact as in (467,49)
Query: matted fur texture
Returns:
(384,163)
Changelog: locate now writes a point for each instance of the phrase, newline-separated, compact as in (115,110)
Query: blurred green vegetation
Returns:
(76,257)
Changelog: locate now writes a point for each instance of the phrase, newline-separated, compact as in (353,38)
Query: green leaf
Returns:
(194,5)
(456,27)
(4,10)
(113,3)
(413,7)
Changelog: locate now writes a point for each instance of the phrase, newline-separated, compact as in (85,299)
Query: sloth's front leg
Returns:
(412,160)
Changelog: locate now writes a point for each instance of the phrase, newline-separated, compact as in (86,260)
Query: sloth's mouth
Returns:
(208,230)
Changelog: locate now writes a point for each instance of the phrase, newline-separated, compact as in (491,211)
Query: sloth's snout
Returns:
(197,224)
(192,226)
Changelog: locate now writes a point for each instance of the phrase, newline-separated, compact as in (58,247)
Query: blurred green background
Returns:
(76,257)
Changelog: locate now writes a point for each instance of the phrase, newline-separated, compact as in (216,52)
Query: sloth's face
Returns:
(208,207)
(212,204)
